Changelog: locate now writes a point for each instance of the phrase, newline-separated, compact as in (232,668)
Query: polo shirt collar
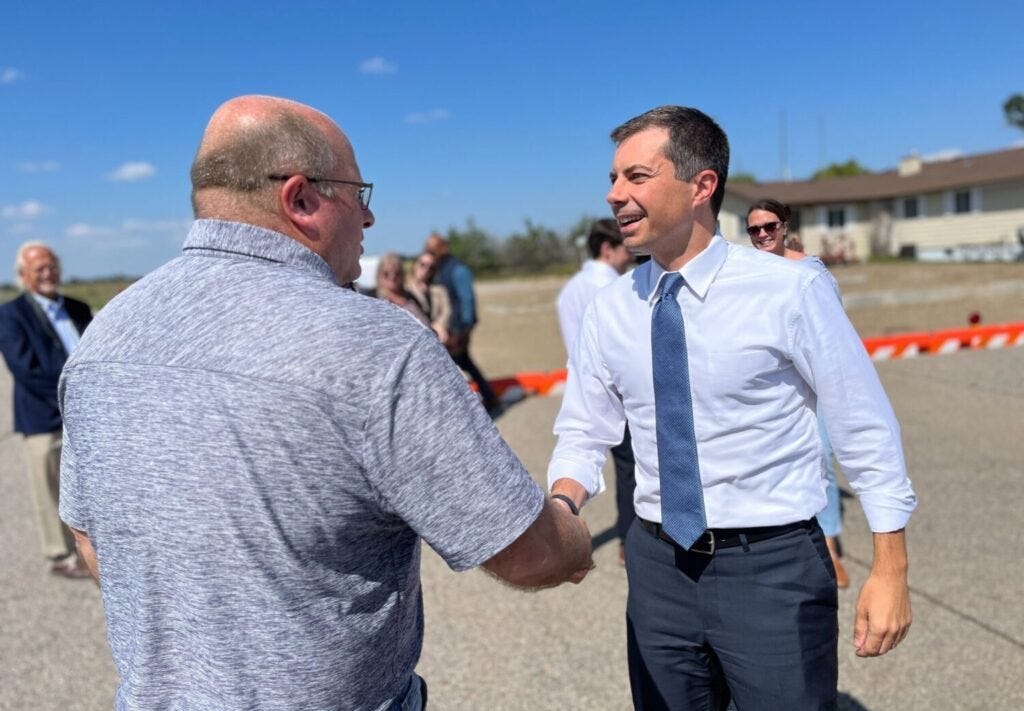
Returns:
(245,240)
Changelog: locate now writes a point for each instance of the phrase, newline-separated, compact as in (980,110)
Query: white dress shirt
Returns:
(577,294)
(764,334)
(60,320)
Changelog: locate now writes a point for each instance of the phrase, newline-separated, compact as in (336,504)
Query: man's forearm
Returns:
(556,548)
(890,557)
(87,553)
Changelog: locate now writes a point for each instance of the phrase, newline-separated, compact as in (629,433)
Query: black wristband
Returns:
(571,504)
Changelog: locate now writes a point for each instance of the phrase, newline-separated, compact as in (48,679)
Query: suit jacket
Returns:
(35,357)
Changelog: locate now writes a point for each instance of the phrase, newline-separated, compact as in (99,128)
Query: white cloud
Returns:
(81,229)
(28,210)
(130,233)
(9,75)
(156,225)
(45,166)
(944,154)
(428,116)
(130,172)
(377,65)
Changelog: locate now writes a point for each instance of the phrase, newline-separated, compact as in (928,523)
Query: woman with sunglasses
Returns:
(768,226)
(432,298)
(391,286)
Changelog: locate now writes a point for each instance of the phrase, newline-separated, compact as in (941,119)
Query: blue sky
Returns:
(499,111)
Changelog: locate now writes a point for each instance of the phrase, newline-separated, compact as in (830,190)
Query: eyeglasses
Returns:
(429,266)
(769,227)
(364,193)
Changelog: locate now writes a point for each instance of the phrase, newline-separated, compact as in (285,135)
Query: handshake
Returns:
(555,548)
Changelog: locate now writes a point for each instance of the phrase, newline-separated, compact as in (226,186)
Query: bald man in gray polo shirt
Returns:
(252,453)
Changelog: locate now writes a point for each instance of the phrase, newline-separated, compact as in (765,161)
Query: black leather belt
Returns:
(713,539)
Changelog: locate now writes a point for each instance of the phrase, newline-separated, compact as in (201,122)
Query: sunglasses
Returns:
(769,227)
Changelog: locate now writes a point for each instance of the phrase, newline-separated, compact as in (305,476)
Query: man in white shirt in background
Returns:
(716,355)
(609,260)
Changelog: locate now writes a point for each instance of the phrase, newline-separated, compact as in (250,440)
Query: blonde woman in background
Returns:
(432,298)
(391,286)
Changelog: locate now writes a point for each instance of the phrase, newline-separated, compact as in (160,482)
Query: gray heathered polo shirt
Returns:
(254,453)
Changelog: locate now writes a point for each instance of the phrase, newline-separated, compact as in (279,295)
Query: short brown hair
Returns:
(695,143)
(606,230)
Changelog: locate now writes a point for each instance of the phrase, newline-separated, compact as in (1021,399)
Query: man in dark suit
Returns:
(38,331)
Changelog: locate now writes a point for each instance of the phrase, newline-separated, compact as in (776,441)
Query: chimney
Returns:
(910,165)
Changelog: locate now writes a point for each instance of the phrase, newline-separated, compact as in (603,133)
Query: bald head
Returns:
(436,245)
(252,137)
(37,269)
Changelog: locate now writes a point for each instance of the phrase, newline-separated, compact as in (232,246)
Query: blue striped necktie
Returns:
(682,498)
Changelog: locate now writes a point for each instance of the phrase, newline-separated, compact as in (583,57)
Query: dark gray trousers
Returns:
(625,484)
(757,624)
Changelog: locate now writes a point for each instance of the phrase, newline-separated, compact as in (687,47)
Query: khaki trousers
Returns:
(42,454)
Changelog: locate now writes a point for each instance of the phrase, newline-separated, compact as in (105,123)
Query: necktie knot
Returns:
(670,284)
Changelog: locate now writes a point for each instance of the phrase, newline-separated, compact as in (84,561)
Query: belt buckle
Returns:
(709,537)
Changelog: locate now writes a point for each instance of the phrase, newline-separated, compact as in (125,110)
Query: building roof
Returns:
(965,172)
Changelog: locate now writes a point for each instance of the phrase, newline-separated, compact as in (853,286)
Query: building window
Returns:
(911,207)
(962,201)
(836,217)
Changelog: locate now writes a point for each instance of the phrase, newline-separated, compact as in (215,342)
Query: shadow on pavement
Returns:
(848,703)
(603,537)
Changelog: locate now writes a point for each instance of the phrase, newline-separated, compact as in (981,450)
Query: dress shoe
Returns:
(842,577)
(72,568)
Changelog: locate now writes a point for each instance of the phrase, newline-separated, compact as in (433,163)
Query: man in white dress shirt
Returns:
(749,610)
(609,259)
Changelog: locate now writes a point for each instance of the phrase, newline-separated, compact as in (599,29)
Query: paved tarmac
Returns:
(490,647)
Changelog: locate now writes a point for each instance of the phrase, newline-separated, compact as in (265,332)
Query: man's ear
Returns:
(299,203)
(705,183)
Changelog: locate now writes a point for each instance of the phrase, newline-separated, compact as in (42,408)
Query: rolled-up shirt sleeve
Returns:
(858,417)
(592,417)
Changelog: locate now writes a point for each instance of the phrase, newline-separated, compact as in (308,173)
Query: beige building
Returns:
(966,208)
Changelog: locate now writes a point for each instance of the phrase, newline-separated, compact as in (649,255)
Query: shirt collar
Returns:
(51,305)
(595,266)
(698,273)
(245,240)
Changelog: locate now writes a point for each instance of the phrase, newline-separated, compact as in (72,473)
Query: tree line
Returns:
(534,249)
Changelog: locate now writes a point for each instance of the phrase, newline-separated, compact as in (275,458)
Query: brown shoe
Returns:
(842,577)
(72,568)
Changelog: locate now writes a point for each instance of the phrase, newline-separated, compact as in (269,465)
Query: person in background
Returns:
(456,277)
(254,455)
(768,228)
(391,286)
(432,298)
(609,259)
(38,331)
